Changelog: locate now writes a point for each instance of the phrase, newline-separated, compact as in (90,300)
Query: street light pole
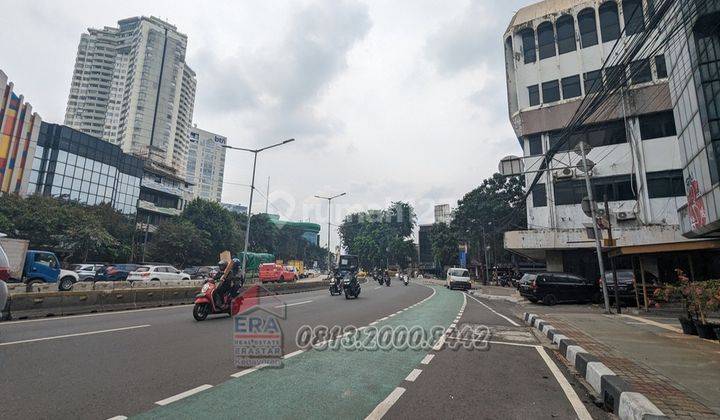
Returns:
(252,190)
(329,199)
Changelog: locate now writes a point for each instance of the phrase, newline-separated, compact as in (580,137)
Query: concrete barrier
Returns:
(614,393)
(82,286)
(44,287)
(117,299)
(103,285)
(81,301)
(15,288)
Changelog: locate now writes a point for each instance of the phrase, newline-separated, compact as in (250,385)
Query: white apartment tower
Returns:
(132,87)
(206,164)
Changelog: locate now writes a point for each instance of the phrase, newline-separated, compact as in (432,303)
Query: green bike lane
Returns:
(331,383)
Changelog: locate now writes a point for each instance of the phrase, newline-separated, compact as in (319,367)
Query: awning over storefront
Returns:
(667,247)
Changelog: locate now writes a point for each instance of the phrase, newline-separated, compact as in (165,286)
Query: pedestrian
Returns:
(3,299)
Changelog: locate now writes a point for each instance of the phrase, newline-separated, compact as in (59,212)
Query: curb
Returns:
(616,395)
(494,297)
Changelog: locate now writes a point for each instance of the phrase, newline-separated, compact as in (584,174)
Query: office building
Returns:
(72,165)
(163,195)
(19,130)
(308,231)
(693,63)
(206,164)
(443,213)
(235,208)
(554,52)
(426,260)
(132,87)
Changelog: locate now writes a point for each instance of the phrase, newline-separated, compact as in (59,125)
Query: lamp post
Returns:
(329,199)
(252,190)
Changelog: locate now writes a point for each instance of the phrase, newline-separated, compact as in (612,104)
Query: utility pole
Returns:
(267,196)
(593,214)
(612,259)
(485,253)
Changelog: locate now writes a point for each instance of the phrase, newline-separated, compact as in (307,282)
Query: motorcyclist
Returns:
(229,284)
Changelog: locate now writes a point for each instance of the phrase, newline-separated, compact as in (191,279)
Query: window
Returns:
(571,87)
(666,184)
(550,91)
(546,40)
(661,67)
(588,30)
(661,124)
(528,42)
(593,81)
(609,21)
(596,135)
(640,72)
(539,196)
(535,145)
(633,16)
(615,76)
(534,95)
(569,192)
(566,34)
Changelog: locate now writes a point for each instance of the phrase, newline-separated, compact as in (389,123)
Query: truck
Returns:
(33,267)
(298,264)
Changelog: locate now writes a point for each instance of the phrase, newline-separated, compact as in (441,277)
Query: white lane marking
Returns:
(182,395)
(296,303)
(653,323)
(479,340)
(386,404)
(496,312)
(426,360)
(577,405)
(413,375)
(382,319)
(118,418)
(295,353)
(373,323)
(247,371)
(32,340)
(379,287)
(452,326)
(438,345)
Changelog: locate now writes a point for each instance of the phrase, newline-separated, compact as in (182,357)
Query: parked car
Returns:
(157,273)
(551,288)
(292,271)
(271,272)
(86,272)
(627,283)
(458,278)
(199,272)
(115,272)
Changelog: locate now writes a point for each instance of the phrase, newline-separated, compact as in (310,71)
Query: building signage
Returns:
(696,208)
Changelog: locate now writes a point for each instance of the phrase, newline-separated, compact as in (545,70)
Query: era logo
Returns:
(256,325)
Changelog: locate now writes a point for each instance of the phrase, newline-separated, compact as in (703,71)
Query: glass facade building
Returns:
(76,166)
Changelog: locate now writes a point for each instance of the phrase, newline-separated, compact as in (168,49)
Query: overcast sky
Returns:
(388,100)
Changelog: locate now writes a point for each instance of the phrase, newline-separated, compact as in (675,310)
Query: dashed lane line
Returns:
(56,337)
(387,403)
(413,375)
(182,395)
(427,359)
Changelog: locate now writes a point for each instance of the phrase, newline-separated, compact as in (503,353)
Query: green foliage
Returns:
(496,206)
(180,242)
(223,228)
(444,244)
(380,237)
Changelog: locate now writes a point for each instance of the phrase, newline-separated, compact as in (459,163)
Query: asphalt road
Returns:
(123,363)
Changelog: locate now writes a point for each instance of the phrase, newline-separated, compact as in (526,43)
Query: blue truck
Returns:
(33,267)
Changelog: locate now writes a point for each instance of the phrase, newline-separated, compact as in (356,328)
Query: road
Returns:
(146,363)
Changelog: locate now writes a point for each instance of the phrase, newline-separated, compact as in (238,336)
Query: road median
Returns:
(118,296)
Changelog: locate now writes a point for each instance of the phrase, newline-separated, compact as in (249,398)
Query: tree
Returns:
(444,244)
(218,222)
(494,207)
(181,243)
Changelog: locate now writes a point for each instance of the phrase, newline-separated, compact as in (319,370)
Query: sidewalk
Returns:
(680,374)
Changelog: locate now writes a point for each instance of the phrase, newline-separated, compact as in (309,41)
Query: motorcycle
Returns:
(387,280)
(205,302)
(406,280)
(351,285)
(336,287)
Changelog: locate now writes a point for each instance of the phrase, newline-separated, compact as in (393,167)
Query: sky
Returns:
(387,100)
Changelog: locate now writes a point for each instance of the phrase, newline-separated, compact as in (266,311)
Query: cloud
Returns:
(275,89)
(472,38)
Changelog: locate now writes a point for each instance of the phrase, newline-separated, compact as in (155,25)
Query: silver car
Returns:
(86,272)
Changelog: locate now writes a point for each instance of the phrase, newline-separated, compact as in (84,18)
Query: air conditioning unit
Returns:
(563,173)
(580,174)
(625,215)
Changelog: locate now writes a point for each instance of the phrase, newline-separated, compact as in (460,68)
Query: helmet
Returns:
(222,265)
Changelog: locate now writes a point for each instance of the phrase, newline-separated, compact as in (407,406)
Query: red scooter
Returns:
(205,302)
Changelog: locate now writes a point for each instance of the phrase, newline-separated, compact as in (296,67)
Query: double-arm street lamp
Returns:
(252,190)
(329,199)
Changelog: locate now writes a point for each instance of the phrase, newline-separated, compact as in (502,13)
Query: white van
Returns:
(458,278)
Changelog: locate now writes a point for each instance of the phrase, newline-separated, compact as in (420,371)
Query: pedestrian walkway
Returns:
(680,374)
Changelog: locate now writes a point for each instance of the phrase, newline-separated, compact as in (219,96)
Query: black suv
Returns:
(551,288)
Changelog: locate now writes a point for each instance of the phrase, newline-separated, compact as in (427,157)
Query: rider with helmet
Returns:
(230,284)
